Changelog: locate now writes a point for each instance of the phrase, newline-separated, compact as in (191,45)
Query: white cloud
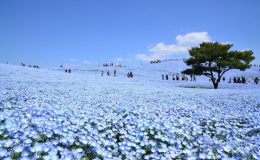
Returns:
(183,44)
(192,39)
(73,60)
(119,59)
(86,62)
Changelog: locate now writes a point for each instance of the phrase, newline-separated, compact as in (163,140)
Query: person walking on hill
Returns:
(230,79)
(177,77)
(256,80)
(243,79)
(235,80)
(131,74)
(114,73)
(194,78)
(173,77)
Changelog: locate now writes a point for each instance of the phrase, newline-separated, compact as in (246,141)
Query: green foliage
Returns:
(215,59)
(15,156)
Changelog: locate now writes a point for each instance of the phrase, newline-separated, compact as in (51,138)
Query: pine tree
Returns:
(215,59)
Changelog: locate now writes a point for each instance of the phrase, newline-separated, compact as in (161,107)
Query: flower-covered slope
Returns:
(46,114)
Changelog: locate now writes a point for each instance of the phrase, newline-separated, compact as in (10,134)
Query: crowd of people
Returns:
(241,79)
(183,77)
(129,74)
(108,73)
(256,65)
(34,66)
(65,69)
(155,61)
(112,65)
(108,64)
(179,77)
(165,60)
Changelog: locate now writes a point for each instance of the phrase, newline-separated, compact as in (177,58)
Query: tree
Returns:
(215,59)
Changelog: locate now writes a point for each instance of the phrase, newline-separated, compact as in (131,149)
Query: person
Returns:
(223,79)
(173,77)
(177,77)
(194,78)
(128,75)
(102,73)
(108,73)
(234,80)
(69,70)
(238,80)
(114,72)
(66,70)
(162,76)
(191,78)
(131,74)
(229,81)
(166,77)
(183,77)
(243,80)
(256,80)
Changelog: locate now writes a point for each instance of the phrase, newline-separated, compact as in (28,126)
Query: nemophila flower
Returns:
(63,140)
(160,116)
(202,156)
(227,148)
(46,148)
(24,158)
(79,150)
(18,149)
(27,141)
(8,158)
(68,157)
(3,153)
(55,142)
(38,147)
(8,143)
(49,134)
(25,153)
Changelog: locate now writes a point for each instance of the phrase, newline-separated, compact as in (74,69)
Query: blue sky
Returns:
(57,32)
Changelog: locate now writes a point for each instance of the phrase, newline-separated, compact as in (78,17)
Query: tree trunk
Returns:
(215,85)
(215,82)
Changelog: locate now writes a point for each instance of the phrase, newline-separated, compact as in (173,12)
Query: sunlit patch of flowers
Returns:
(50,120)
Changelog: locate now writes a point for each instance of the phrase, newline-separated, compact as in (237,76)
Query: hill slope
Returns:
(52,114)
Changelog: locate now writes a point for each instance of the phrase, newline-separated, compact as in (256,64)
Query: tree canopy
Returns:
(213,59)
